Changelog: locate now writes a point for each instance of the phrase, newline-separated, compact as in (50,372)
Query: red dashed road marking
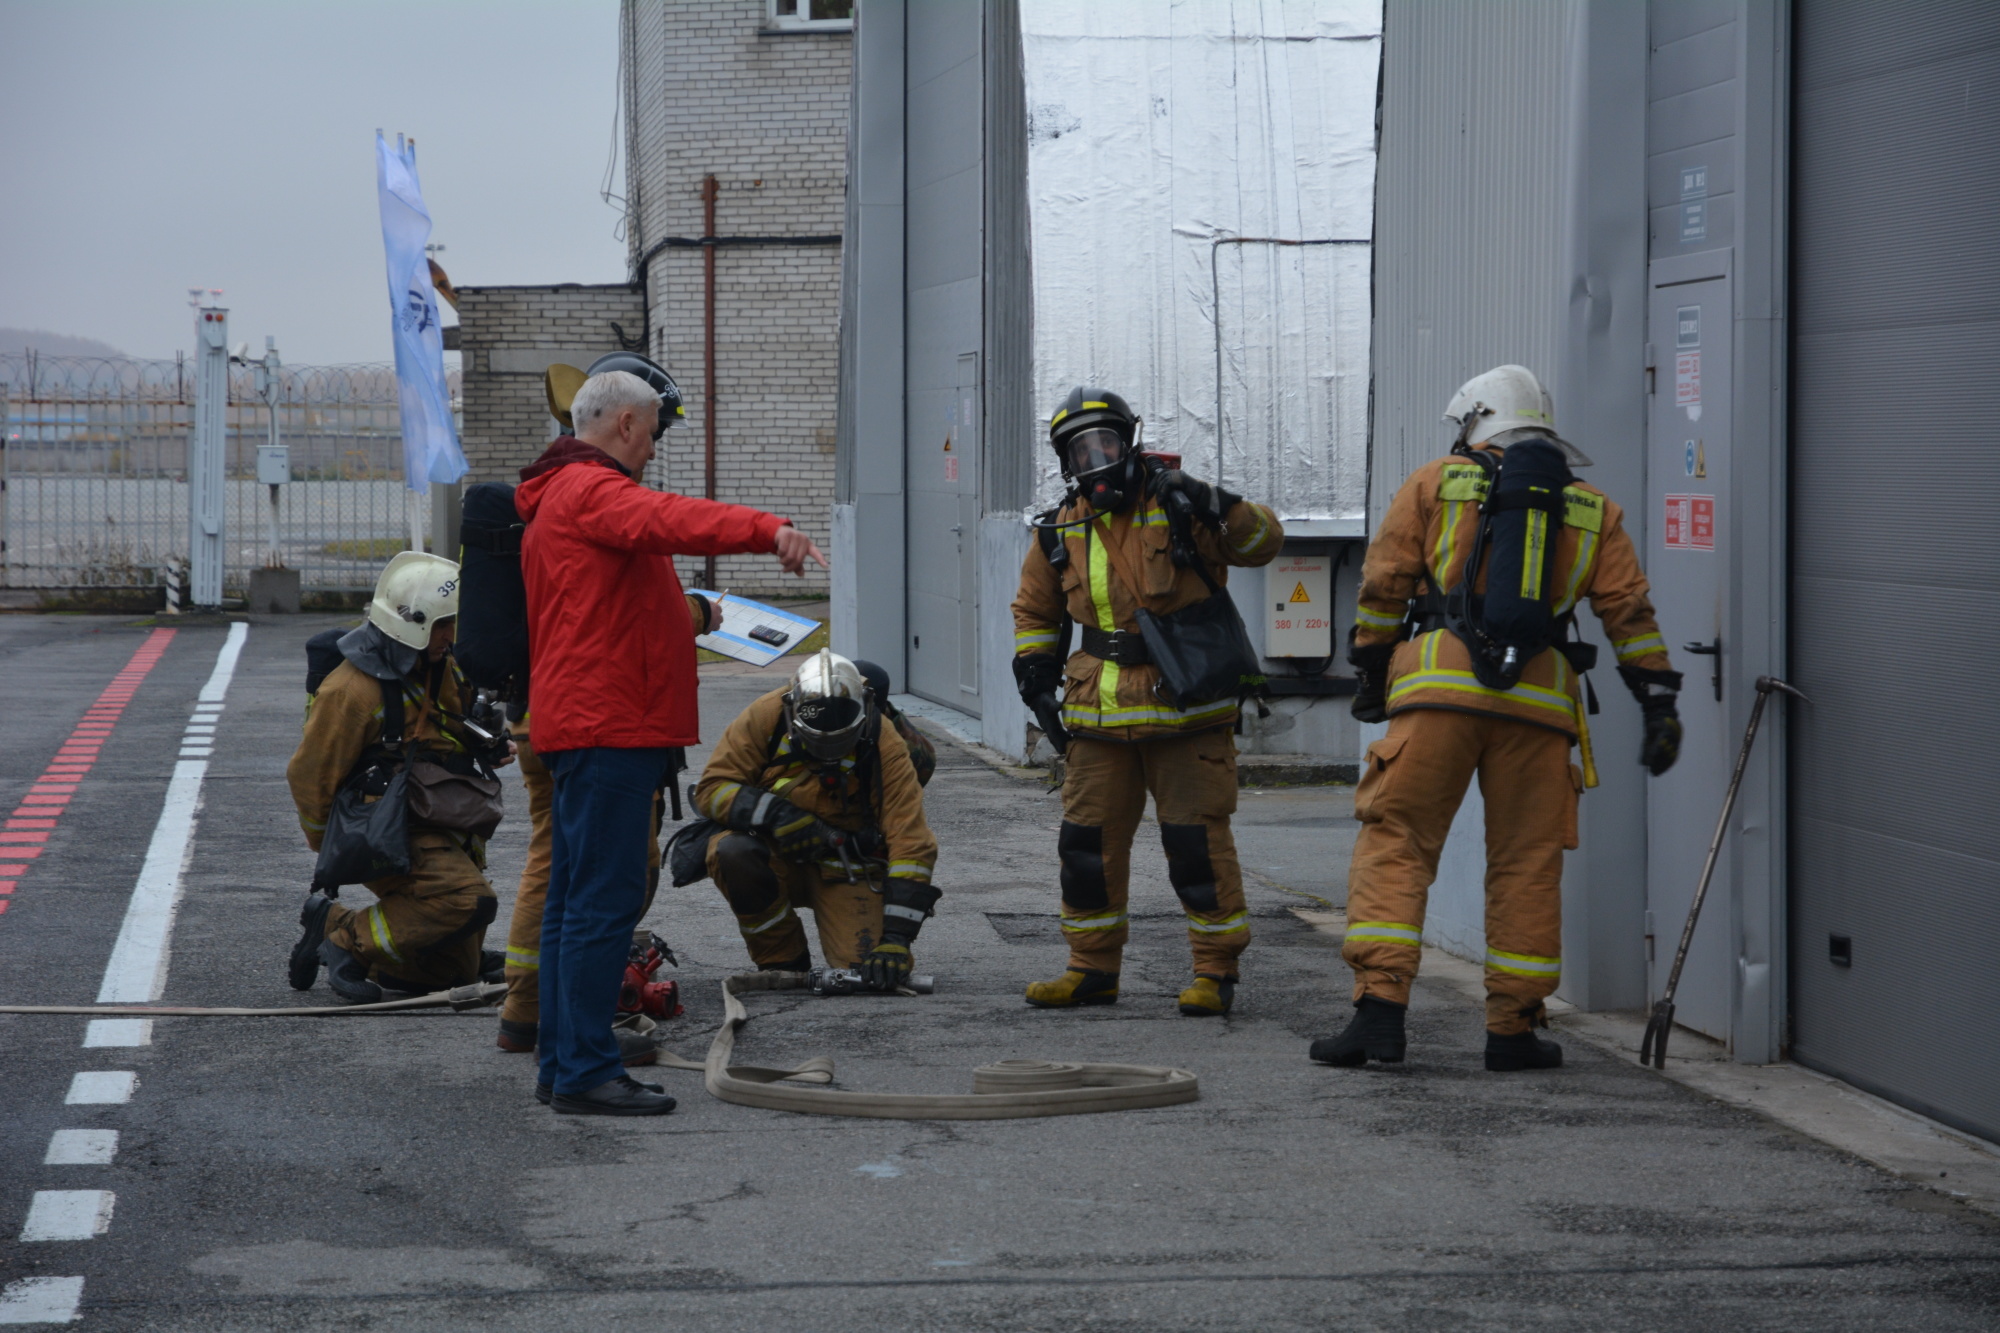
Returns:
(28,827)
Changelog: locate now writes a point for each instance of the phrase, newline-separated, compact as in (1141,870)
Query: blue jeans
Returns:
(597,885)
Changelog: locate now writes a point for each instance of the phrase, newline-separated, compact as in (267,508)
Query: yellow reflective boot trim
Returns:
(1531,563)
(1628,649)
(1392,932)
(378,926)
(1100,601)
(529,958)
(1368,619)
(1523,964)
(1229,925)
(776,919)
(1085,924)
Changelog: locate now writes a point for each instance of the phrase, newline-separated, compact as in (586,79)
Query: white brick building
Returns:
(755,94)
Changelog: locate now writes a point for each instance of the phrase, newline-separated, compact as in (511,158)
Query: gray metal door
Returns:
(1687,495)
(1894,771)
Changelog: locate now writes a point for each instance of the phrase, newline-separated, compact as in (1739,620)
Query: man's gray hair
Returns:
(606,395)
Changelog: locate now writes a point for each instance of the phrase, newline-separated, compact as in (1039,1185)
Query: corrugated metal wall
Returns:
(1471,179)
(1011,435)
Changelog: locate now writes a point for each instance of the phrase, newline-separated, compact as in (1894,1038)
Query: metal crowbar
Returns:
(1653,1048)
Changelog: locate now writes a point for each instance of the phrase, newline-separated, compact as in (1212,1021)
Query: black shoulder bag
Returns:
(368,830)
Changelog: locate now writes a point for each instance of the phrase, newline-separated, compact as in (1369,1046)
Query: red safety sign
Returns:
(1690,523)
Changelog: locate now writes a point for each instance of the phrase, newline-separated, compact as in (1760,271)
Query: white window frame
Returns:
(793,23)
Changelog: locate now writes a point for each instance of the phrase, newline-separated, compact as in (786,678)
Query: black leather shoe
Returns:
(347,976)
(304,967)
(1374,1033)
(543,1093)
(621,1096)
(492,966)
(1521,1050)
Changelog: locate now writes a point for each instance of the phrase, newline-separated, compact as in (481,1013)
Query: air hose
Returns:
(1008,1090)
(478,996)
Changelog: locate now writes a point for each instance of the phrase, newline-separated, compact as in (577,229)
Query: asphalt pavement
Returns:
(396,1173)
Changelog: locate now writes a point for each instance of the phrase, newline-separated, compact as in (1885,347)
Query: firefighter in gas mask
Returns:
(820,808)
(1134,533)
(1464,642)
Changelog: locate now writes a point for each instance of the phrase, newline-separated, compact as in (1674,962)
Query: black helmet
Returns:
(1096,437)
(672,413)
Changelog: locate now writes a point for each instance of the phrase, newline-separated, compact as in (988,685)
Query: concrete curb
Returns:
(1908,1146)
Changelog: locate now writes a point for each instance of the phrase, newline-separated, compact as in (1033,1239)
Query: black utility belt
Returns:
(1124,647)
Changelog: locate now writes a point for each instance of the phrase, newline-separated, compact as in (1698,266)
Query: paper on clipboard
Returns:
(743,620)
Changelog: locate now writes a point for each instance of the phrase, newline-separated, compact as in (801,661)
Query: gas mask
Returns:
(1104,468)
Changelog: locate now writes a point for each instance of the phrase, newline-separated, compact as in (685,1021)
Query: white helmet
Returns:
(415,591)
(1507,398)
(827,706)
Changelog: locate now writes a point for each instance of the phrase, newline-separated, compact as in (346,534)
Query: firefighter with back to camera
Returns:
(397,682)
(1463,641)
(821,807)
(1134,534)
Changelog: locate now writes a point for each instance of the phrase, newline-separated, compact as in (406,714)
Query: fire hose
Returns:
(1008,1090)
(478,996)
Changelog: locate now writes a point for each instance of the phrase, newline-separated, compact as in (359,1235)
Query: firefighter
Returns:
(425,930)
(1457,704)
(820,808)
(1103,554)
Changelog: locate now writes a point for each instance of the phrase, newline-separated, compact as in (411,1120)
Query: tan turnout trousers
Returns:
(848,916)
(1193,782)
(426,928)
(1414,780)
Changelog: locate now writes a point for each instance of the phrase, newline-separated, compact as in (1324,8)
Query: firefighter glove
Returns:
(1038,674)
(906,905)
(1210,503)
(793,834)
(1371,679)
(887,966)
(1656,692)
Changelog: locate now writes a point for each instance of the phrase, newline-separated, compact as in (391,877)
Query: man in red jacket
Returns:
(612,667)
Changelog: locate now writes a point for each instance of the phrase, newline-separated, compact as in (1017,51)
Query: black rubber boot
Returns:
(303,969)
(517,1038)
(347,976)
(492,966)
(1374,1033)
(1521,1050)
(623,1095)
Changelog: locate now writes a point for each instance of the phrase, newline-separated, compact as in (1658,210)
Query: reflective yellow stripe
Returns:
(1090,923)
(378,925)
(1027,640)
(783,914)
(1149,517)
(1464,682)
(1392,931)
(530,958)
(1100,599)
(722,798)
(1376,619)
(1250,544)
(316,825)
(1447,545)
(1523,964)
(1141,715)
(1229,925)
(909,870)
(1586,558)
(1627,649)
(1531,562)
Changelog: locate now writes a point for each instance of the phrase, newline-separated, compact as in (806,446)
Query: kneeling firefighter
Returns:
(1463,643)
(394,702)
(816,804)
(1137,552)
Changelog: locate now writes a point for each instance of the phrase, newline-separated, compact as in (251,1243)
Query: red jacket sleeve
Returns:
(613,511)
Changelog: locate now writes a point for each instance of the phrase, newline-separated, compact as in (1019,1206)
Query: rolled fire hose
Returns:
(1008,1090)
(482,995)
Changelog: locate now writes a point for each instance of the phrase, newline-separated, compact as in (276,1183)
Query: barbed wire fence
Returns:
(94,461)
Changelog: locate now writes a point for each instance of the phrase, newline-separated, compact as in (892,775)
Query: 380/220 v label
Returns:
(1308,622)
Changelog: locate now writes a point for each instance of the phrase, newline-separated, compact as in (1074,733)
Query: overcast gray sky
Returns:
(157,145)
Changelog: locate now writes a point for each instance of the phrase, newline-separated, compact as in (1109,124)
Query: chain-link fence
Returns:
(95,463)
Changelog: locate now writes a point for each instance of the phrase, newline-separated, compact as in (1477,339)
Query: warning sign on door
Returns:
(1687,383)
(1690,523)
(1299,594)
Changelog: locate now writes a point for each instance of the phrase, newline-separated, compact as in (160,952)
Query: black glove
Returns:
(1656,692)
(1210,503)
(1037,674)
(793,834)
(906,905)
(1371,676)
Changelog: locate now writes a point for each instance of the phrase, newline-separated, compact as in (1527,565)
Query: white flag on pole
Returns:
(430,444)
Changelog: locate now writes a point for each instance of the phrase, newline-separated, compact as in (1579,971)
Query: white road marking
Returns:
(69,1214)
(199,729)
(82,1147)
(101,1087)
(118,1032)
(41,1300)
(137,973)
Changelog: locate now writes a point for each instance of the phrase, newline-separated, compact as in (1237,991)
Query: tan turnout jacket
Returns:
(746,757)
(344,719)
(1118,563)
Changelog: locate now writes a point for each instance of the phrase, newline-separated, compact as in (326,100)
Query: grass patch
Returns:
(370,548)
